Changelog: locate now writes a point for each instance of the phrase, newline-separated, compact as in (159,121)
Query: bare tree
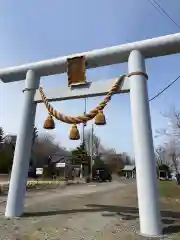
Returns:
(87,141)
(113,159)
(95,146)
(160,153)
(175,123)
(1,137)
(44,147)
(173,129)
(172,137)
(126,159)
(173,152)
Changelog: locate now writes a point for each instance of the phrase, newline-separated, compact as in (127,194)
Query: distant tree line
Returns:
(44,146)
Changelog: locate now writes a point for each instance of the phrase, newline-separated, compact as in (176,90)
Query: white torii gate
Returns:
(134,53)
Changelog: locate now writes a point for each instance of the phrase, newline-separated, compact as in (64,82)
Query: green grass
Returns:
(169,189)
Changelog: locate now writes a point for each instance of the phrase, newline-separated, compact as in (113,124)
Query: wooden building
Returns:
(129,171)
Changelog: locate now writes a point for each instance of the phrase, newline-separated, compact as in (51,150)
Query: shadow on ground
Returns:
(171,220)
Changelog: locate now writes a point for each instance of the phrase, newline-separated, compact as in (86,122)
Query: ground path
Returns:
(102,211)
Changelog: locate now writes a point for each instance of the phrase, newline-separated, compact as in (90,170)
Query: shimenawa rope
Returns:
(88,116)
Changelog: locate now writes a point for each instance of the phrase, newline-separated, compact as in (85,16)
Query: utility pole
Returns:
(92,152)
(34,137)
(84,124)
(83,137)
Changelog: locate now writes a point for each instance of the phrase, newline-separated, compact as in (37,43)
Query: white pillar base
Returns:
(160,237)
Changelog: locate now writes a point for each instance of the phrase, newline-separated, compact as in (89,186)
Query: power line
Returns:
(168,86)
(155,7)
(162,11)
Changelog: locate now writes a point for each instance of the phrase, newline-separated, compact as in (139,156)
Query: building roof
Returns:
(61,156)
(129,167)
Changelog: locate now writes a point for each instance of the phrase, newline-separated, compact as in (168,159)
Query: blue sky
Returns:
(37,29)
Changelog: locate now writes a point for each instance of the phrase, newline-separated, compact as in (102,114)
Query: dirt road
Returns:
(105,211)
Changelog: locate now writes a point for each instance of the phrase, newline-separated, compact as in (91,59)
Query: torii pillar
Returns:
(149,211)
(19,173)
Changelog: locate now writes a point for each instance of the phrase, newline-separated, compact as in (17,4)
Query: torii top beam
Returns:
(154,47)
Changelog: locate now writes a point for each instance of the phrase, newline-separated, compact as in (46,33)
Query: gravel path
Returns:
(104,211)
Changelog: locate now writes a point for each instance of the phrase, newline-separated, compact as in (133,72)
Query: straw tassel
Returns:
(49,122)
(100,118)
(74,133)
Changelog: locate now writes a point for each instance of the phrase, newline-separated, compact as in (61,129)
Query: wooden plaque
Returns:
(76,70)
